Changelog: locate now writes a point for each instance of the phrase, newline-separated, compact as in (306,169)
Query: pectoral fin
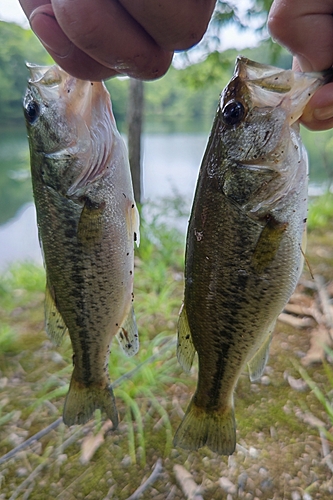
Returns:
(90,227)
(185,347)
(54,324)
(257,364)
(128,336)
(268,244)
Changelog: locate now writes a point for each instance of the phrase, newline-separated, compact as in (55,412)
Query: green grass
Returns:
(323,395)
(320,213)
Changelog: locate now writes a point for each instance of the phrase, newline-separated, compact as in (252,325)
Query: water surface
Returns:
(170,165)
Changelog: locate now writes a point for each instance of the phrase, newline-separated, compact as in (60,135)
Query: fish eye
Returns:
(32,111)
(233,113)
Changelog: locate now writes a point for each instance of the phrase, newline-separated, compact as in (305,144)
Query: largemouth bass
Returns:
(244,243)
(87,222)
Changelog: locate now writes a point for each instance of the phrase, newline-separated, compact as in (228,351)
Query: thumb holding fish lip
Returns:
(306,29)
(108,33)
(318,113)
(80,38)
(44,24)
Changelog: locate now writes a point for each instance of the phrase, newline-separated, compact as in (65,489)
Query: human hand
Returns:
(305,27)
(94,40)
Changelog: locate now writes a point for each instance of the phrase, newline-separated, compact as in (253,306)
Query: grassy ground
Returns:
(280,452)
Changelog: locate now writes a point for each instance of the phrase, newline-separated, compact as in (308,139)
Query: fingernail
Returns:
(323,113)
(46,28)
(303,63)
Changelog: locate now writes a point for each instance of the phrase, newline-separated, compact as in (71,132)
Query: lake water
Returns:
(171,163)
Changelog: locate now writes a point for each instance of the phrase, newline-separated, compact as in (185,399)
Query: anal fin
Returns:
(257,364)
(128,336)
(54,324)
(185,347)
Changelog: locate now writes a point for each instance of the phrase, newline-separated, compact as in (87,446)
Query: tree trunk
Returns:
(134,127)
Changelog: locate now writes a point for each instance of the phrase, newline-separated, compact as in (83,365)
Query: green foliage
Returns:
(214,70)
(319,146)
(16,47)
(170,105)
(324,398)
(118,88)
(320,211)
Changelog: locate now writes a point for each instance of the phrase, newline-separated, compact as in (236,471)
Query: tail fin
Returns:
(214,429)
(81,402)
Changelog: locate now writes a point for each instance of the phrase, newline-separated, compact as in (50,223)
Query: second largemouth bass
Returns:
(244,242)
(87,223)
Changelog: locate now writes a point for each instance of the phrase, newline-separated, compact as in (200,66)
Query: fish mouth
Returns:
(86,108)
(36,72)
(81,98)
(272,87)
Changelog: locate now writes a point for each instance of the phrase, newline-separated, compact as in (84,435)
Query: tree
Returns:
(225,12)
(135,120)
(17,46)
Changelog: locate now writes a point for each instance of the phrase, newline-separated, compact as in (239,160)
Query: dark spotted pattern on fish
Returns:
(87,223)
(243,249)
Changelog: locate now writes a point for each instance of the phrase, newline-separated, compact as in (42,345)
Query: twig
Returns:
(295,322)
(29,441)
(326,451)
(29,479)
(151,479)
(110,492)
(308,284)
(300,310)
(91,443)
(325,303)
(189,487)
(309,418)
(28,491)
(297,309)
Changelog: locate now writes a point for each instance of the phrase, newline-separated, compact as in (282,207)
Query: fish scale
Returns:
(244,242)
(87,222)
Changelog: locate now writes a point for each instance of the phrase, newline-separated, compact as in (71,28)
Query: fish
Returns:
(245,242)
(87,223)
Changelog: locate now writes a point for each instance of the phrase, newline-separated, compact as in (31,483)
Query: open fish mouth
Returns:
(85,109)
(37,72)
(268,86)
(78,97)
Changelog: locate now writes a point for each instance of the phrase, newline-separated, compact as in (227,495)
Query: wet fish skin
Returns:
(244,242)
(87,223)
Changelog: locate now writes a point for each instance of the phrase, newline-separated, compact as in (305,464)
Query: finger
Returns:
(105,31)
(174,25)
(306,29)
(62,50)
(318,114)
(30,5)
(79,65)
